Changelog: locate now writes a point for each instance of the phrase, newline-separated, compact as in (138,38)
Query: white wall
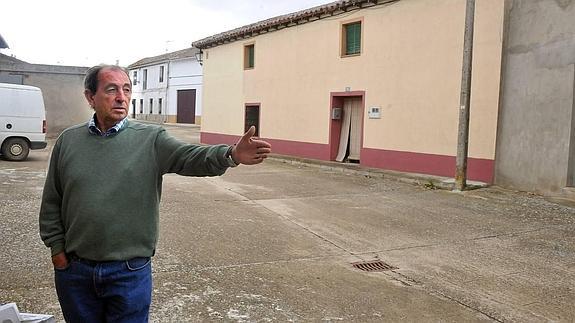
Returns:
(154,90)
(180,74)
(184,74)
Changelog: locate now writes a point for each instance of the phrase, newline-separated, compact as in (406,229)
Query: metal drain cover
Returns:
(373,265)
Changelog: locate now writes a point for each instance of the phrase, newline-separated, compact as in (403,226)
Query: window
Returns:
(141,106)
(134,77)
(160,106)
(134,106)
(252,118)
(249,55)
(351,39)
(145,81)
(151,106)
(161,74)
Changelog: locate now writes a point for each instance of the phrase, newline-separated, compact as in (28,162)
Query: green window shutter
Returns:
(251,56)
(353,38)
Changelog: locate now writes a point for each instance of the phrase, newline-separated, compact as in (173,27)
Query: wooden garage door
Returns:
(186,106)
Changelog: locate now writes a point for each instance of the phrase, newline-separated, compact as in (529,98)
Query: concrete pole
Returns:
(465,98)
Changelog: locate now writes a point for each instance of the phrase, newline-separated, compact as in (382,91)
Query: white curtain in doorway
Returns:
(355,130)
(344,134)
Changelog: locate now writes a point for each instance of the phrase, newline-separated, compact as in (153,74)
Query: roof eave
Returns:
(164,58)
(288,20)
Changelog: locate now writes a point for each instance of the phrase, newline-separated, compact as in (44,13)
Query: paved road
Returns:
(276,242)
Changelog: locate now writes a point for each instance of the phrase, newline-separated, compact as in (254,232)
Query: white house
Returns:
(167,88)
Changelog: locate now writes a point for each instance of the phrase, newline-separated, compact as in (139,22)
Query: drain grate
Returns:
(373,265)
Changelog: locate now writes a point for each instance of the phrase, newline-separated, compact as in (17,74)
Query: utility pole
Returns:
(465,99)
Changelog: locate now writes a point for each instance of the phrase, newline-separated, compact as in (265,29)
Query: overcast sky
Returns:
(86,33)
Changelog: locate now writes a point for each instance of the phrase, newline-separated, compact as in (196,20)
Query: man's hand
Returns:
(250,151)
(60,261)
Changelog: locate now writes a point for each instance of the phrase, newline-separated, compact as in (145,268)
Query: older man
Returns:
(100,205)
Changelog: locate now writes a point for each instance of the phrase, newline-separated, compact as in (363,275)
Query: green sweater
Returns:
(102,194)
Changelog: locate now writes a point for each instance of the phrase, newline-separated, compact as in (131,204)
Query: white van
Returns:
(22,121)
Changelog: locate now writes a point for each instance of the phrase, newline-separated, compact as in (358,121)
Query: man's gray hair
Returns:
(91,79)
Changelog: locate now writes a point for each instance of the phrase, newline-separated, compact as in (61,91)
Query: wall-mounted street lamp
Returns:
(3,43)
(200,57)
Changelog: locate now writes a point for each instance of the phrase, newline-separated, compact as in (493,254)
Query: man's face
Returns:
(112,97)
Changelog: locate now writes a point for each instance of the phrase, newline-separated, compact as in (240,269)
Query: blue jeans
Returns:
(111,291)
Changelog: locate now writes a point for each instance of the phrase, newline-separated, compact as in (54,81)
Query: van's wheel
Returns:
(16,149)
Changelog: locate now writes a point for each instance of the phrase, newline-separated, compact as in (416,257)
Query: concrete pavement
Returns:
(276,242)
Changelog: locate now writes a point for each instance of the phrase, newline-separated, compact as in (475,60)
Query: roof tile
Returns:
(291,19)
(184,53)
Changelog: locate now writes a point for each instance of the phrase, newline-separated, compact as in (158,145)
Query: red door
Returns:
(186,106)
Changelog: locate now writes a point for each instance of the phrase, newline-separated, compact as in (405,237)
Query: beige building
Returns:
(372,82)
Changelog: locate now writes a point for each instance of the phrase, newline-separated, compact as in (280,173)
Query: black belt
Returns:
(72,256)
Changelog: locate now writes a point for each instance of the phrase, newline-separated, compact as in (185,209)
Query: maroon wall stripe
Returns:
(440,165)
(216,138)
(282,147)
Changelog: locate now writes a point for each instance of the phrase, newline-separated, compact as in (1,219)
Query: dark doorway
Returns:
(252,118)
(186,106)
(351,130)
(346,126)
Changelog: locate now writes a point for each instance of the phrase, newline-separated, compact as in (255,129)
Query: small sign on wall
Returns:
(374,112)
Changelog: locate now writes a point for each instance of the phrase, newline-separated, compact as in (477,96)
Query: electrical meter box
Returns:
(336,113)
(374,112)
